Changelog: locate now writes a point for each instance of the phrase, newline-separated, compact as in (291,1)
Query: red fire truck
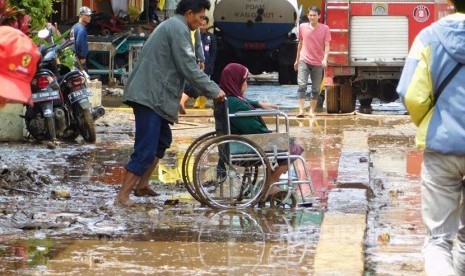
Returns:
(370,43)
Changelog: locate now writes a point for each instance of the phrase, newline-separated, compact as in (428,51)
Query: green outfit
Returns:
(245,125)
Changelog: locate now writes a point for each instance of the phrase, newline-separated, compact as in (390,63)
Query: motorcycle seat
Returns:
(69,76)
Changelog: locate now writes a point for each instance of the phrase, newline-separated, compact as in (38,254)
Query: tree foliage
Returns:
(14,17)
(38,10)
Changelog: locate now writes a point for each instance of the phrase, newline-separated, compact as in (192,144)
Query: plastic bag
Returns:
(294,148)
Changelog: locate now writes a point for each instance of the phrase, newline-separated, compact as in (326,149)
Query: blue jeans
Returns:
(153,137)
(316,74)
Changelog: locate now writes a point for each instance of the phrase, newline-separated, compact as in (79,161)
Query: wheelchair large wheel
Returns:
(231,172)
(188,163)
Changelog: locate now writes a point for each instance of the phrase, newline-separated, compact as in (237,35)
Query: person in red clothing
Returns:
(312,57)
(18,63)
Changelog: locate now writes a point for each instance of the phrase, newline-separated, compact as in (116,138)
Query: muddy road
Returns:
(57,214)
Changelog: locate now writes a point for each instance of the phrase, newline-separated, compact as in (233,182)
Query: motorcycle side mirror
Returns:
(44,33)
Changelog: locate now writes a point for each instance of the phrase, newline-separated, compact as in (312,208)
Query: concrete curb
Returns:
(341,247)
(208,112)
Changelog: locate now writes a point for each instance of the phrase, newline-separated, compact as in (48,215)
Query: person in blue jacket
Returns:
(150,14)
(438,54)
(209,46)
(207,63)
(79,35)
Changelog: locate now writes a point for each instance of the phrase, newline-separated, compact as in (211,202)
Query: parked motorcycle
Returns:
(70,112)
(81,113)
(46,118)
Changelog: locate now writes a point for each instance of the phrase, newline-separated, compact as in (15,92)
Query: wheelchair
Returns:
(229,171)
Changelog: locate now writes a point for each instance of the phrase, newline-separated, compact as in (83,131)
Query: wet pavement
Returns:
(186,243)
(68,225)
(395,230)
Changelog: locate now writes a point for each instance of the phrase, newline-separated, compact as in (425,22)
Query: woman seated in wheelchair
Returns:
(233,82)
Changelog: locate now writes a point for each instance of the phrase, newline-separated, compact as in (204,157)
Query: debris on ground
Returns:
(21,180)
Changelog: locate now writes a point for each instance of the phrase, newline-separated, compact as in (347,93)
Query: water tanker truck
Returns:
(257,34)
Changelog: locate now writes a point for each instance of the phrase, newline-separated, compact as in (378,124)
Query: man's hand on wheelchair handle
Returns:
(221,96)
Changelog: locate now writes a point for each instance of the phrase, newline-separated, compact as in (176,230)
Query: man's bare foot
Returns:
(145,191)
(124,203)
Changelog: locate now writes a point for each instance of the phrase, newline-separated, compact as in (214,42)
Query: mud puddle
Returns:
(76,208)
(395,232)
(74,213)
(198,243)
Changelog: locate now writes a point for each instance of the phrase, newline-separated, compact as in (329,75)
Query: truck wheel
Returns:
(283,75)
(365,105)
(255,68)
(332,99)
(292,75)
(347,98)
(287,74)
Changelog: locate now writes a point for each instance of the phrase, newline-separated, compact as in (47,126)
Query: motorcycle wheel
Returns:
(50,123)
(71,134)
(86,124)
(31,130)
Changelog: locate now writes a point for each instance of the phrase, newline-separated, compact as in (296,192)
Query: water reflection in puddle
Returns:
(191,240)
(225,242)
(395,234)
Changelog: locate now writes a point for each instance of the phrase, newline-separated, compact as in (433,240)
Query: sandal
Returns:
(129,203)
(146,191)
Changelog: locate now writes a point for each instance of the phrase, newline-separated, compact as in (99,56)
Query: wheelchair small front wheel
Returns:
(277,201)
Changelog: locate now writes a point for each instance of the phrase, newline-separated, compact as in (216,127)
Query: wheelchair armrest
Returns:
(258,112)
(264,113)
